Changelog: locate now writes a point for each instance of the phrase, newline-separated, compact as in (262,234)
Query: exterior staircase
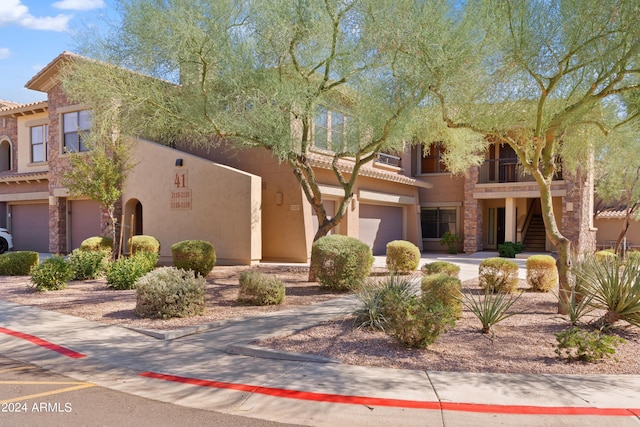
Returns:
(534,240)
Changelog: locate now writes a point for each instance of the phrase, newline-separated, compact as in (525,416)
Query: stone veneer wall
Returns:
(57,166)
(577,212)
(472,215)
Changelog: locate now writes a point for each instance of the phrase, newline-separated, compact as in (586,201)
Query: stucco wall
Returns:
(199,200)
(609,229)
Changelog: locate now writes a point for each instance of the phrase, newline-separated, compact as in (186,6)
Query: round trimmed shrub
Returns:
(123,273)
(196,255)
(88,264)
(607,255)
(97,243)
(402,257)
(341,263)
(444,288)
(498,275)
(260,289)
(142,243)
(170,292)
(52,274)
(542,274)
(18,263)
(445,267)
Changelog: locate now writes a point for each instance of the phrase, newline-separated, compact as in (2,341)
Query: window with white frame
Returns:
(39,143)
(76,126)
(333,129)
(437,221)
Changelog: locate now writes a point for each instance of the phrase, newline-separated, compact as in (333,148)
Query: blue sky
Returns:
(34,32)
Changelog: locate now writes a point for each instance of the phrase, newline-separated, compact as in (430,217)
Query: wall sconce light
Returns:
(179,162)
(278,198)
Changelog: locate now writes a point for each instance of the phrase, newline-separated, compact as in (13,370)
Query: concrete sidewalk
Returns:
(201,371)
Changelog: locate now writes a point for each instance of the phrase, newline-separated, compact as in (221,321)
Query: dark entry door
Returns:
(500,225)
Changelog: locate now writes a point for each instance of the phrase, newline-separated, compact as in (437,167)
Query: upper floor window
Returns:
(332,130)
(39,142)
(431,161)
(75,127)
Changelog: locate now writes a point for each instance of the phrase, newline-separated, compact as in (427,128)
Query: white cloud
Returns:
(4,52)
(79,4)
(14,12)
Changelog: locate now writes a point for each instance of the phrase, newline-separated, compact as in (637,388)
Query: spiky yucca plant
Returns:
(491,308)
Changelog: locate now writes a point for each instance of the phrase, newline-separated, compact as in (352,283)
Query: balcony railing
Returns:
(388,159)
(505,170)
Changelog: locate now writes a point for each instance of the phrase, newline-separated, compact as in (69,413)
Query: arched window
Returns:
(5,155)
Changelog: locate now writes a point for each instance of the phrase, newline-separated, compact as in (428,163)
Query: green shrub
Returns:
(170,292)
(451,241)
(18,263)
(260,289)
(445,267)
(196,255)
(490,309)
(341,262)
(123,273)
(88,264)
(97,243)
(445,289)
(577,344)
(613,286)
(142,243)
(498,275)
(51,274)
(605,255)
(417,322)
(542,274)
(510,249)
(402,257)
(373,300)
(631,255)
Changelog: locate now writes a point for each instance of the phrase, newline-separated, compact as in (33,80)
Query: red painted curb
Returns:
(42,343)
(398,403)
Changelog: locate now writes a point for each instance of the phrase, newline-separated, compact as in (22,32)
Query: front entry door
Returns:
(500,217)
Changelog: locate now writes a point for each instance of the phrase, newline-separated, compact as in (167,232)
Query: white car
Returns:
(6,242)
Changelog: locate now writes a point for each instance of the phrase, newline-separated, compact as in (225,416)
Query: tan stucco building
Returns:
(251,207)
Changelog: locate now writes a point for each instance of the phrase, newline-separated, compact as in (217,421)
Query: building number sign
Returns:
(180,191)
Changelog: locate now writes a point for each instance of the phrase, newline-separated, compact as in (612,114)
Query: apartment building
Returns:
(251,207)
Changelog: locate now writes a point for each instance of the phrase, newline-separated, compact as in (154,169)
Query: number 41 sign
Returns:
(180,193)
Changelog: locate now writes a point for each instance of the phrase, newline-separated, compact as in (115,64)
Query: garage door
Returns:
(30,227)
(379,225)
(84,216)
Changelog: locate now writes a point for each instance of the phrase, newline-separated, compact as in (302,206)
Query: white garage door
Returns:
(379,225)
(84,216)
(30,227)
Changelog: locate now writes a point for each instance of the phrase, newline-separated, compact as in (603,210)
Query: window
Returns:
(437,221)
(39,142)
(431,161)
(75,127)
(332,129)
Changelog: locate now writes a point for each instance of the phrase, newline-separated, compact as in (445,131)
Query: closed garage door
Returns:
(379,225)
(30,227)
(84,216)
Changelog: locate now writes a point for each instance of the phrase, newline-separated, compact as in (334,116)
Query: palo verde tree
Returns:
(618,175)
(549,80)
(265,73)
(100,171)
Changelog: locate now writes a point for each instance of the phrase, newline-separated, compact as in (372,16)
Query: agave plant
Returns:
(490,308)
(613,286)
(373,299)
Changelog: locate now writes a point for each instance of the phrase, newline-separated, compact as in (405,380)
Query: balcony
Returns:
(505,170)
(388,159)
